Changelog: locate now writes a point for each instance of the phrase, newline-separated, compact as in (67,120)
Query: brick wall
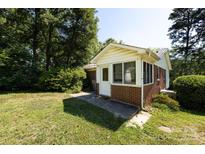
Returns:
(153,89)
(126,94)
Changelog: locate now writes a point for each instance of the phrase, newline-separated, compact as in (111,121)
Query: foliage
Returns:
(87,85)
(162,99)
(35,40)
(184,33)
(62,80)
(108,41)
(79,38)
(191,91)
(16,70)
(188,41)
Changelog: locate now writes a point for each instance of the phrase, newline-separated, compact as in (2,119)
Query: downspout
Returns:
(142,86)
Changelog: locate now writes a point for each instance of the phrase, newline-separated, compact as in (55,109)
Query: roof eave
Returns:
(93,61)
(154,55)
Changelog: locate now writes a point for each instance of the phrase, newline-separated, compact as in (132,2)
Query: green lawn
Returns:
(54,118)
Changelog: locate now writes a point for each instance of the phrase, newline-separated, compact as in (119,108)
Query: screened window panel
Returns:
(147,72)
(150,75)
(158,72)
(117,73)
(129,73)
(144,72)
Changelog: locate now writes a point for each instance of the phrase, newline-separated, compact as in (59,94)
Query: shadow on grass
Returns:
(199,112)
(92,113)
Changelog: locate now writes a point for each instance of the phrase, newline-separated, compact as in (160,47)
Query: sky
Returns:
(139,27)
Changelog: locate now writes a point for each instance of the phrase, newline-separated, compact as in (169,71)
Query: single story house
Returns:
(129,74)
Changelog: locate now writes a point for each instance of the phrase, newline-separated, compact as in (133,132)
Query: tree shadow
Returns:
(196,112)
(92,113)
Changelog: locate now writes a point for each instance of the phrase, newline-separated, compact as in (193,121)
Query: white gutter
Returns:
(142,86)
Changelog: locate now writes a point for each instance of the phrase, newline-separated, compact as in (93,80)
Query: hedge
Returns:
(190,91)
(62,80)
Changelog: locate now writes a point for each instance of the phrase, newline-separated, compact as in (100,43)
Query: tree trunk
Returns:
(48,47)
(187,36)
(35,35)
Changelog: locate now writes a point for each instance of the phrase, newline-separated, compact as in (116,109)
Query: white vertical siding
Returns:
(98,74)
(138,72)
(110,73)
(167,78)
(162,63)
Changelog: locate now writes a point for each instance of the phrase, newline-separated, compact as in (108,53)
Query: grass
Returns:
(54,118)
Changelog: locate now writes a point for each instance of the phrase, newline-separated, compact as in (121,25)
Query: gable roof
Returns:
(163,52)
(156,53)
(129,47)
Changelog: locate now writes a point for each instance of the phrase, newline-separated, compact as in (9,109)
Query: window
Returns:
(129,73)
(117,73)
(105,74)
(147,72)
(158,69)
(126,77)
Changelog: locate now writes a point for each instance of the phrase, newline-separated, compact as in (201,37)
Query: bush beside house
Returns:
(62,80)
(164,101)
(190,91)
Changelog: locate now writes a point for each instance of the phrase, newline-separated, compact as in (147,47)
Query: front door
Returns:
(104,81)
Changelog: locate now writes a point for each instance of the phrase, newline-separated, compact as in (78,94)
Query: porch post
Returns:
(142,85)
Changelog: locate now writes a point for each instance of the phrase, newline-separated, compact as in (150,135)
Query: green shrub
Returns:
(190,91)
(20,79)
(162,99)
(87,84)
(160,106)
(62,80)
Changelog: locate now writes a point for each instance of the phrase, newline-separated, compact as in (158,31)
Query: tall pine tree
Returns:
(186,34)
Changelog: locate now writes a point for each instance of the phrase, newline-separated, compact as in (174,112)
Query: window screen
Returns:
(158,69)
(129,73)
(147,72)
(117,73)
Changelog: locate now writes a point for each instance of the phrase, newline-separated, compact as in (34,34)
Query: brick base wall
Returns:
(149,92)
(130,95)
(153,89)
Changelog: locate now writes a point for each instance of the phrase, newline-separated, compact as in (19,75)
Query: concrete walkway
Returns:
(118,109)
